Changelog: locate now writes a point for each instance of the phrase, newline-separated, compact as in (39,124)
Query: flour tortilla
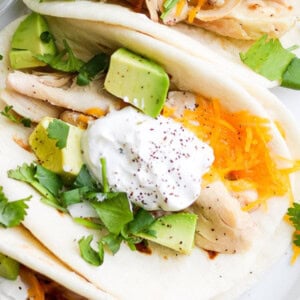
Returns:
(162,275)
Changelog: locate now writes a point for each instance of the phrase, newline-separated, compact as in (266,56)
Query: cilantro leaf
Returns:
(84,179)
(104,175)
(99,63)
(294,214)
(48,179)
(141,222)
(88,253)
(113,242)
(291,77)
(12,116)
(88,223)
(268,58)
(58,130)
(73,196)
(114,212)
(26,173)
(12,213)
(1,57)
(64,61)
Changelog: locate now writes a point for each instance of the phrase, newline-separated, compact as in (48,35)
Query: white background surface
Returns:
(281,281)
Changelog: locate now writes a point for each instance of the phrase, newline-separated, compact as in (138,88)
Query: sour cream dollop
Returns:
(13,289)
(157,162)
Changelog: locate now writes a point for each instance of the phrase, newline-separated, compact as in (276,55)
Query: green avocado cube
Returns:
(137,80)
(64,160)
(28,41)
(175,231)
(9,268)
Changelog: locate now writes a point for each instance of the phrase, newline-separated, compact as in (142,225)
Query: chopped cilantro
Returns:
(12,116)
(1,57)
(141,222)
(58,130)
(48,179)
(12,213)
(64,61)
(268,58)
(114,212)
(73,196)
(113,242)
(26,173)
(88,253)
(99,63)
(84,179)
(88,223)
(294,216)
(104,177)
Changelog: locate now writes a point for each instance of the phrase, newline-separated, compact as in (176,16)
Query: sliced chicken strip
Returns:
(83,99)
(253,18)
(222,225)
(29,107)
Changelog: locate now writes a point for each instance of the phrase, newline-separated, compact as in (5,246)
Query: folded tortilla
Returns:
(244,24)
(163,274)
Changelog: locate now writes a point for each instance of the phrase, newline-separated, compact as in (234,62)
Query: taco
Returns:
(245,191)
(249,21)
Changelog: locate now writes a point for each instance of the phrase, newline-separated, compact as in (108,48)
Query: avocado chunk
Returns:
(9,268)
(137,80)
(175,231)
(28,41)
(57,146)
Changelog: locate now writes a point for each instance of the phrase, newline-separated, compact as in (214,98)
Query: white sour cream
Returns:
(157,162)
(13,289)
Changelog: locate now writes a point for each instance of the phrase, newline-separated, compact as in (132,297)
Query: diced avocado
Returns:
(175,231)
(27,42)
(9,268)
(67,160)
(137,80)
(291,76)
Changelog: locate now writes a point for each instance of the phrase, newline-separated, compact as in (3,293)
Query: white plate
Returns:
(281,281)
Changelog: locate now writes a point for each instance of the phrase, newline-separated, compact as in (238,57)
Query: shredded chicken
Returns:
(29,107)
(240,19)
(76,119)
(71,96)
(222,225)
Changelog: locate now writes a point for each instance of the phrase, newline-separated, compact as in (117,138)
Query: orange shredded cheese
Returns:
(193,11)
(179,7)
(95,111)
(240,140)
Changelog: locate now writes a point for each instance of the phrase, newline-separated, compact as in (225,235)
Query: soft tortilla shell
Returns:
(162,275)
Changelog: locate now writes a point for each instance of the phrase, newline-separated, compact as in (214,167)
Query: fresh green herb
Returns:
(113,242)
(168,5)
(98,64)
(88,223)
(291,77)
(141,222)
(46,37)
(12,116)
(73,196)
(268,58)
(26,173)
(64,61)
(58,130)
(12,213)
(48,179)
(114,212)
(84,179)
(104,175)
(1,57)
(88,253)
(294,216)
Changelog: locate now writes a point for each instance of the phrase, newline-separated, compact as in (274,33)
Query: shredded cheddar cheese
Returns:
(95,111)
(179,7)
(240,140)
(193,11)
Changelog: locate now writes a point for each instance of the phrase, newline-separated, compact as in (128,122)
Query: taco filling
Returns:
(123,150)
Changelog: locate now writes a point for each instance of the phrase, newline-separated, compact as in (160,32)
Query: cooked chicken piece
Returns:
(252,18)
(83,99)
(29,107)
(222,225)
(180,101)
(76,118)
